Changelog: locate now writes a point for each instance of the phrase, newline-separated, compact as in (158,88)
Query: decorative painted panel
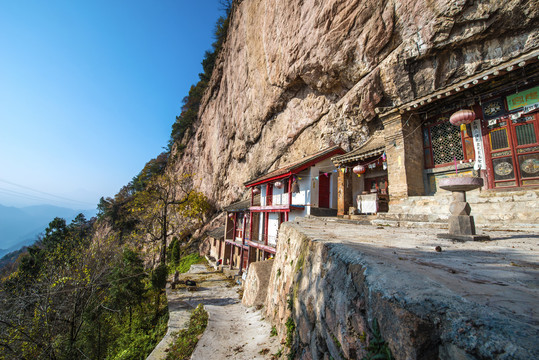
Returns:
(529,149)
(503,168)
(529,165)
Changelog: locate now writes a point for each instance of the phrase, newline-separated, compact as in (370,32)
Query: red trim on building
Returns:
(297,167)
(265,248)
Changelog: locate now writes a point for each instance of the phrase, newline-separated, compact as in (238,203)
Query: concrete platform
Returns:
(481,296)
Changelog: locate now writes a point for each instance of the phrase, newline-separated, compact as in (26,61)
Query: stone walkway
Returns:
(234,331)
(179,314)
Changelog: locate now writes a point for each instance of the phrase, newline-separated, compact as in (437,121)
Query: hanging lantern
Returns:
(231,215)
(256,191)
(278,184)
(359,169)
(295,186)
(462,117)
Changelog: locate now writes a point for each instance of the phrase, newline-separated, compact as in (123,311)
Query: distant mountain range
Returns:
(20,226)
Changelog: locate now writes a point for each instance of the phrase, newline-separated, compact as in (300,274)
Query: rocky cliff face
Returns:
(295,76)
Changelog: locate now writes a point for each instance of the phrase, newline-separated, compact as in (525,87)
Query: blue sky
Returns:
(89,91)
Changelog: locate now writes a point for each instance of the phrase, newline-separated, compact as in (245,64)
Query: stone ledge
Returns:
(336,278)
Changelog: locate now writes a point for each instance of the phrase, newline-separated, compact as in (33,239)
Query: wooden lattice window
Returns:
(443,143)
(525,134)
(498,139)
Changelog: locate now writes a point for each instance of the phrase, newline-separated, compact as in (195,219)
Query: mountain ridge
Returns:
(20,226)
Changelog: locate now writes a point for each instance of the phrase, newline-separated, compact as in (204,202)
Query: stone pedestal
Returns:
(461,223)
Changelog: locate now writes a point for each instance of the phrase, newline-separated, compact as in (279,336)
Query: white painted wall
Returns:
(304,195)
(273,228)
(262,195)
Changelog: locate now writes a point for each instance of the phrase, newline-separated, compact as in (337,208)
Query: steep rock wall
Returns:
(295,76)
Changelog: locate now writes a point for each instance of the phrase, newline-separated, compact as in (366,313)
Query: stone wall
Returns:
(329,300)
(324,299)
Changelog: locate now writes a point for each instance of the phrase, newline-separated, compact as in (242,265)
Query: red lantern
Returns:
(462,117)
(278,185)
(359,169)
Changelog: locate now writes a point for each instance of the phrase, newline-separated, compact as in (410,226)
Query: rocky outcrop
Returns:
(296,76)
(254,294)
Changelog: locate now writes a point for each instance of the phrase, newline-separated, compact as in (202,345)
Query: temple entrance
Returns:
(323,191)
(514,152)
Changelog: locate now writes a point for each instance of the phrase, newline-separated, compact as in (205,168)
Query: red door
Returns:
(323,190)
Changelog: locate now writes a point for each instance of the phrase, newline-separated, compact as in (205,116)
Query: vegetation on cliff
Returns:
(191,103)
(72,296)
(94,288)
(83,290)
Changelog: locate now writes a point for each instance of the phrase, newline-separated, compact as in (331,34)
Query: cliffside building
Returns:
(420,146)
(306,187)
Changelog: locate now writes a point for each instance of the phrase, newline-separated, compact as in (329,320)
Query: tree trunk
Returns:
(164,238)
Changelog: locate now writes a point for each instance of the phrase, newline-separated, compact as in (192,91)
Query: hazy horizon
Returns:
(23,224)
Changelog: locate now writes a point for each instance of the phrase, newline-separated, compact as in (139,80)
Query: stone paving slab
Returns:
(502,273)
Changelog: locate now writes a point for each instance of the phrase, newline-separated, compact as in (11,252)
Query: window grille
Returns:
(446,143)
(525,134)
(498,139)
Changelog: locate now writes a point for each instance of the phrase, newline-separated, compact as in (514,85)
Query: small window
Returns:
(498,139)
(525,134)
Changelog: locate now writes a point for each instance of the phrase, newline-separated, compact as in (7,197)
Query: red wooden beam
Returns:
(265,248)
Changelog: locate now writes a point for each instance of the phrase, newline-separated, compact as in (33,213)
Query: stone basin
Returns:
(464,183)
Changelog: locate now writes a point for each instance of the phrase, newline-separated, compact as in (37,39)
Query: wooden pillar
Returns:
(232,249)
(234,222)
(344,192)
(289,192)
(250,237)
(404,152)
(244,225)
(266,219)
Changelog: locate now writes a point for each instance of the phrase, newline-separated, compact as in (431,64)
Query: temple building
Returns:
(495,137)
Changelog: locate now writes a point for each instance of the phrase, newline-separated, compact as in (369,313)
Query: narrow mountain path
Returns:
(234,331)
